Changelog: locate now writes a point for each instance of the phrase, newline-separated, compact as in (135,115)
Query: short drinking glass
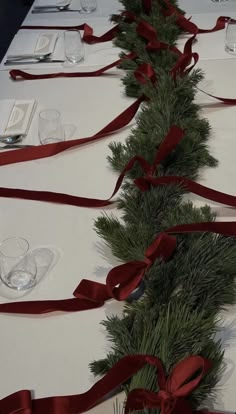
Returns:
(88,5)
(74,49)
(50,127)
(230,37)
(18,267)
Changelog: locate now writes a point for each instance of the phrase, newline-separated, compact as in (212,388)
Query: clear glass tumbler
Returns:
(230,36)
(18,267)
(50,127)
(88,5)
(74,48)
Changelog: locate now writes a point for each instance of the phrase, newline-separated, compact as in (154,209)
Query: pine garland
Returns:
(178,314)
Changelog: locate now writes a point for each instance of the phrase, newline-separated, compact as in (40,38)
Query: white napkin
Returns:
(45,3)
(32,43)
(15,116)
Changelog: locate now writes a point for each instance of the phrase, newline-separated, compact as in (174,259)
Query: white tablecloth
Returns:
(50,354)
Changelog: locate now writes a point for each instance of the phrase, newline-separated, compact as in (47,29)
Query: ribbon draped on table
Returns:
(171,140)
(44,151)
(142,29)
(182,22)
(121,280)
(171,396)
(88,36)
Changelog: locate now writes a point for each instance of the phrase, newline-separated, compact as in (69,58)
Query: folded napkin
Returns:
(15,116)
(32,43)
(46,3)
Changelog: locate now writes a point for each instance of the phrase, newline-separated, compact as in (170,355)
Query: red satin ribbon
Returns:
(169,143)
(181,67)
(183,379)
(144,183)
(17,74)
(88,36)
(44,151)
(187,25)
(172,390)
(91,295)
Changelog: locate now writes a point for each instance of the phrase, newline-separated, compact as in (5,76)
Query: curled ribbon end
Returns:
(16,74)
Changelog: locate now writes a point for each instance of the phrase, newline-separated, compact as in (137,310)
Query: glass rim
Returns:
(14,238)
(44,112)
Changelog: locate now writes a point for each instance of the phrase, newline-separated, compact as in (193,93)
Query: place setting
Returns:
(31,48)
(17,117)
(63,6)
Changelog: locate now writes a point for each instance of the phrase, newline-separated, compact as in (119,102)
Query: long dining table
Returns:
(50,354)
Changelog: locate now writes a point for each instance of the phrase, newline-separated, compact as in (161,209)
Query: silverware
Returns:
(60,8)
(11,139)
(53,9)
(9,146)
(30,62)
(23,57)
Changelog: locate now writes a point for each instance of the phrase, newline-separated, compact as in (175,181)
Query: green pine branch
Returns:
(178,314)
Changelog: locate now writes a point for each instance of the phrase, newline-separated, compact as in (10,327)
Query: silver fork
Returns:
(9,146)
(30,62)
(53,9)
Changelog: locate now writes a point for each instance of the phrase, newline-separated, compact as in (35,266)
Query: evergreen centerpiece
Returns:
(178,314)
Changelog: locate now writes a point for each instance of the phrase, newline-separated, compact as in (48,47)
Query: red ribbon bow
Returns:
(91,295)
(184,378)
(128,275)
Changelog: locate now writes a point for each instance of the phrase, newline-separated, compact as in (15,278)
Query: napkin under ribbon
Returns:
(171,396)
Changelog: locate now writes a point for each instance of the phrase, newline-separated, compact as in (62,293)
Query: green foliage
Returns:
(178,314)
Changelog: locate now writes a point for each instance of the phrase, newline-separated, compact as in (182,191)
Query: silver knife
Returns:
(38,11)
(32,62)
(9,146)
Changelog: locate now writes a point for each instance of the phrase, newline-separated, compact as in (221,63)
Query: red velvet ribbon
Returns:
(147,6)
(17,74)
(169,143)
(148,32)
(187,25)
(144,183)
(173,389)
(44,151)
(91,295)
(88,36)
